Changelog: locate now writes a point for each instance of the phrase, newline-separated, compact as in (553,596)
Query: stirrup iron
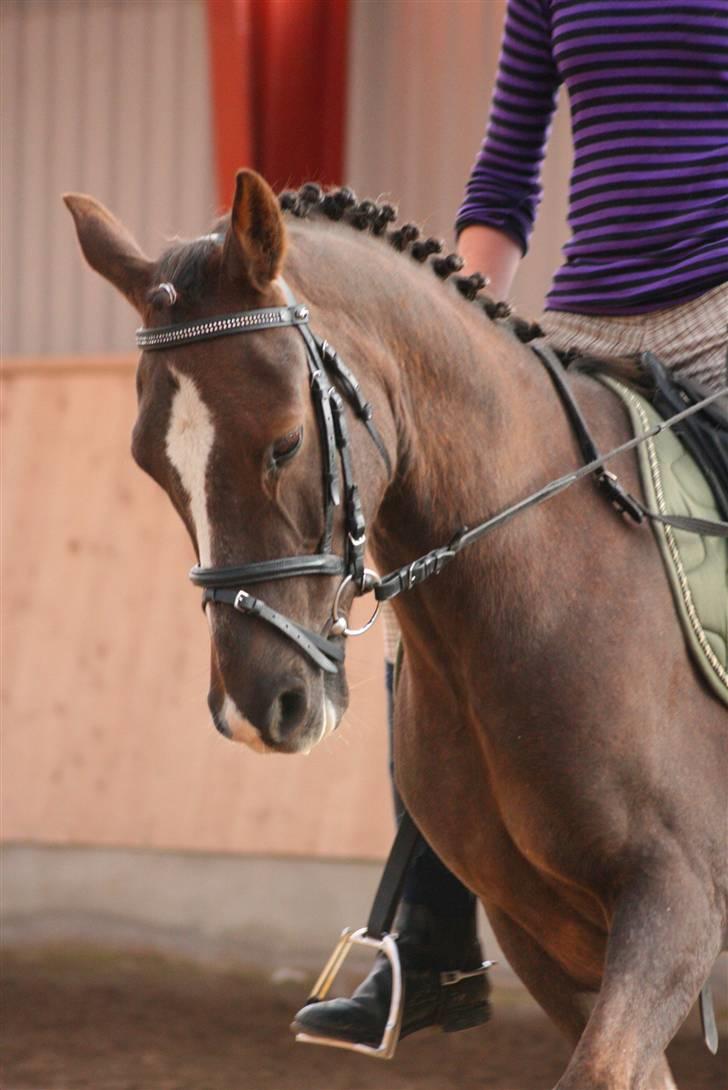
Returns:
(376,935)
(390,1037)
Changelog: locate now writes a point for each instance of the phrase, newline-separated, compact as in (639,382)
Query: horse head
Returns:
(228,427)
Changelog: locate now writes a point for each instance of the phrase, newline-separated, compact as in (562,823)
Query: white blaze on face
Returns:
(190,436)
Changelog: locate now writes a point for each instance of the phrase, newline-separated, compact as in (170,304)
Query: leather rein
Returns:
(329,378)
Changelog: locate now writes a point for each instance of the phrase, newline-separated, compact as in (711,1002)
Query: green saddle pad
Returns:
(697,567)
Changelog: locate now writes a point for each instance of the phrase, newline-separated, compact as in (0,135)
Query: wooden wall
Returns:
(106,734)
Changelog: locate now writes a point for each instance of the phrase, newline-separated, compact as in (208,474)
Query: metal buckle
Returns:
(239,600)
(454,976)
(340,626)
(390,1037)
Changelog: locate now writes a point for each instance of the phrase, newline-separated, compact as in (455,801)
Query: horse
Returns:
(554,741)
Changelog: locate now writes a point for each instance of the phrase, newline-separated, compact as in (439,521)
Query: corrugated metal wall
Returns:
(421,78)
(107,97)
(111,97)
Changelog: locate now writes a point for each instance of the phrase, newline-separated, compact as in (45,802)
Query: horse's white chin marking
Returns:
(330,718)
(243,731)
(328,725)
(189,441)
(240,729)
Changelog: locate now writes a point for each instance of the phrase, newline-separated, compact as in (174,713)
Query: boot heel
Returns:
(464,1004)
(466,1017)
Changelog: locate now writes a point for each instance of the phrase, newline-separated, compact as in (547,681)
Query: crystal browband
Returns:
(225,325)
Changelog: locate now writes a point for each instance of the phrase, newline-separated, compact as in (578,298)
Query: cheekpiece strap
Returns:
(224,325)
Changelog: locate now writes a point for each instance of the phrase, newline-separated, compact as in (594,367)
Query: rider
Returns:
(650,126)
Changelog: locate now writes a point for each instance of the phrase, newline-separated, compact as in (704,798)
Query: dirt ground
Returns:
(82,1020)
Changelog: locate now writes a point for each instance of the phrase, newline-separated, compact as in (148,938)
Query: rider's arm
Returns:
(495,254)
(503,192)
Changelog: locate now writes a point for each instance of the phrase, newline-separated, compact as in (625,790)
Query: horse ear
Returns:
(256,238)
(109,248)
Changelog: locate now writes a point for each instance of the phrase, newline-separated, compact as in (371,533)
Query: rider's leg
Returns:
(437,932)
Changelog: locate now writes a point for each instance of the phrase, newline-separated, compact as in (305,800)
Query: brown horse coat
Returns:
(554,741)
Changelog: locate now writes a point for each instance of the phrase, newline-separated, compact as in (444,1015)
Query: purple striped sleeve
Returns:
(648,90)
(504,188)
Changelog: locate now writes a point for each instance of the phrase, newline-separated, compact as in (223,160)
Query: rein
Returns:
(225,584)
(411,575)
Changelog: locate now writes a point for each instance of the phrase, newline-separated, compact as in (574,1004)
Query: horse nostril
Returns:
(292,708)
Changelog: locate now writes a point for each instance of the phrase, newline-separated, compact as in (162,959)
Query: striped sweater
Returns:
(647,82)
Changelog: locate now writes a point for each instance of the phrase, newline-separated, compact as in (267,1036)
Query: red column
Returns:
(231,88)
(278,71)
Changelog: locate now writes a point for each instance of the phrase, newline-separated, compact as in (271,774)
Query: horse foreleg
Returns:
(664,937)
(562,998)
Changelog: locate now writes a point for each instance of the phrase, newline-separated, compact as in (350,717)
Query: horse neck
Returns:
(474,414)
(473,408)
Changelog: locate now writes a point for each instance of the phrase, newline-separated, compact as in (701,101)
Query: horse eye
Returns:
(285,447)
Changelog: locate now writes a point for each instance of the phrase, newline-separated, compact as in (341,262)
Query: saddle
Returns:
(684,472)
(704,435)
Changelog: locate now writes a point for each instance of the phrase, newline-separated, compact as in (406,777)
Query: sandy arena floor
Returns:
(73,1020)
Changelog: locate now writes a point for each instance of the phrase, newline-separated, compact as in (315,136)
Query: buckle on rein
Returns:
(393,1026)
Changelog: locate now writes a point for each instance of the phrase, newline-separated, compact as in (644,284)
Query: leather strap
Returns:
(356,536)
(354,395)
(433,562)
(691,525)
(226,584)
(707,1018)
(260,572)
(411,575)
(608,482)
(391,883)
(221,325)
(325,653)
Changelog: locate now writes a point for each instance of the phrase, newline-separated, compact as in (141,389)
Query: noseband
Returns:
(326,372)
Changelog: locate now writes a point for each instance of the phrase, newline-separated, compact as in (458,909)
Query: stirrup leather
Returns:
(390,1037)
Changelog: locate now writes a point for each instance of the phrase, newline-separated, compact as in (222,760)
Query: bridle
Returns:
(326,372)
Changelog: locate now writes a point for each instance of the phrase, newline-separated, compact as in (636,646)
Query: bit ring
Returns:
(340,626)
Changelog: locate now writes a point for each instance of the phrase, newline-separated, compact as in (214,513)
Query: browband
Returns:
(224,325)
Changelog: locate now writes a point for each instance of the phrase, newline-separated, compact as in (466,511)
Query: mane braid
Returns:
(342,204)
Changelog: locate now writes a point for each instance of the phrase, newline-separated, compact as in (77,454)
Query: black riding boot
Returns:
(428,946)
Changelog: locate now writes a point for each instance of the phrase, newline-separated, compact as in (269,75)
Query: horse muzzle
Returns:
(285,716)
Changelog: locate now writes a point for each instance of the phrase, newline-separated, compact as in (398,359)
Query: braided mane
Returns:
(376,217)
